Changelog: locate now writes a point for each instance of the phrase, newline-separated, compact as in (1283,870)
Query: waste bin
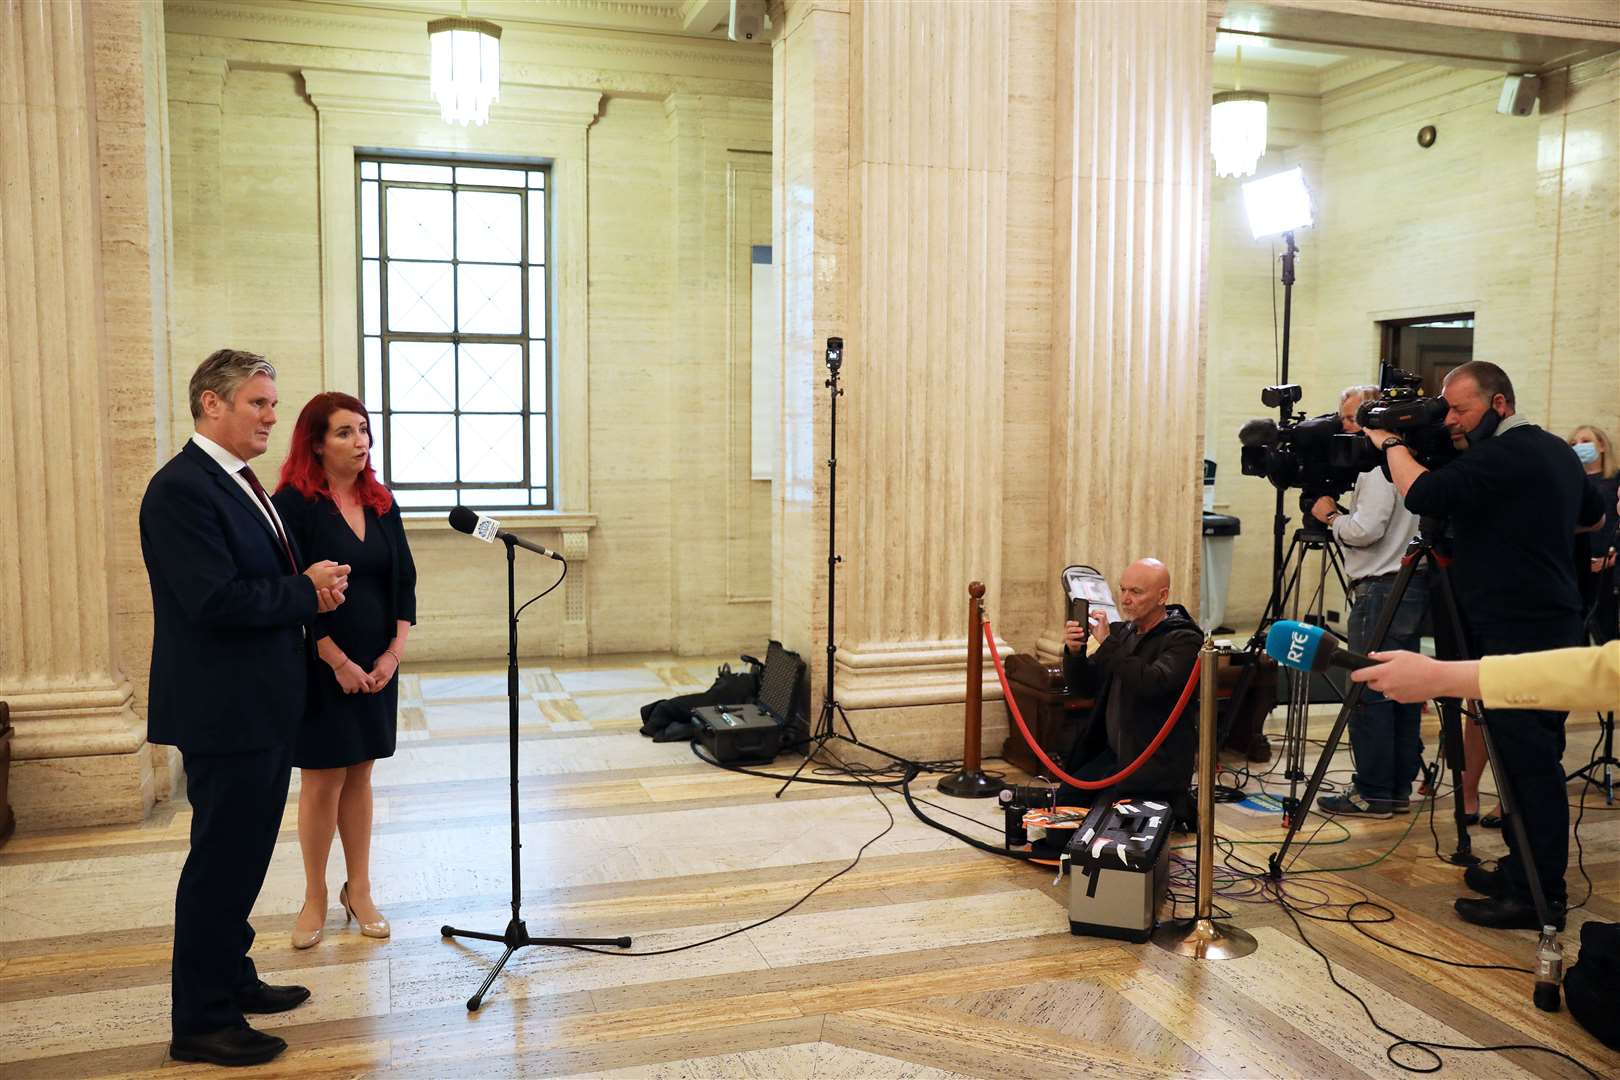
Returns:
(1220,531)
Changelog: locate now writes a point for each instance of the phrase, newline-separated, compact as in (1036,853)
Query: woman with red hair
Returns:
(331,502)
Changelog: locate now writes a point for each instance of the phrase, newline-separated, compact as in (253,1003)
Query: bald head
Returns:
(1144,589)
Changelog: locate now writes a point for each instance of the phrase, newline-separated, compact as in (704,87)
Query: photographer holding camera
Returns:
(1515,500)
(1384,735)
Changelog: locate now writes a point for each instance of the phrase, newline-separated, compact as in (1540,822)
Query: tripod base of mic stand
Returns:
(1204,939)
(515,938)
(970,785)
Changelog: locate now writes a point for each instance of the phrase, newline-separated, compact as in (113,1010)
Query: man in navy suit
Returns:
(229,649)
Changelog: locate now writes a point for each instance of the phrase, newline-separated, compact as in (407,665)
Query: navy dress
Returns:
(338,729)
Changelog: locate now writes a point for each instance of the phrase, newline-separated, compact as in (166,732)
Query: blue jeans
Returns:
(1384,735)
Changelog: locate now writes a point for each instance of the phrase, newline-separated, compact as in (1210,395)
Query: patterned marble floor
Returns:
(928,960)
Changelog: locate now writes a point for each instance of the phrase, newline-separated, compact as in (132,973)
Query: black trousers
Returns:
(236,805)
(1530,758)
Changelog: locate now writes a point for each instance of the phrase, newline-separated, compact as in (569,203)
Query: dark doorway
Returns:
(1430,345)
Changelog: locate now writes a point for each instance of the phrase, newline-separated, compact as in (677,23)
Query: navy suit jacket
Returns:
(228,643)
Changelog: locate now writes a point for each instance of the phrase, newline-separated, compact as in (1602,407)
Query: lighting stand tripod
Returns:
(517,932)
(826,728)
(1606,761)
(1449,642)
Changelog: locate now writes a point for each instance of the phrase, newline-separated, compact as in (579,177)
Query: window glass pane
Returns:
(491,449)
(378,454)
(539,449)
(538,311)
(489,177)
(368,220)
(422,376)
(491,377)
(368,170)
(538,498)
(419,224)
(494,496)
(490,300)
(371,383)
(370,298)
(537,178)
(539,377)
(537,228)
(488,226)
(433,174)
(420,297)
(428,497)
(424,448)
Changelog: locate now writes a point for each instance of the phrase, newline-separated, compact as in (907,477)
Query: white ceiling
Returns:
(1259,50)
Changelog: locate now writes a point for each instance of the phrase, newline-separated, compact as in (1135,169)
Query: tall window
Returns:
(454,319)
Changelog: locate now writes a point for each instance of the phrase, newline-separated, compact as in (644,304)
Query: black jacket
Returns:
(300,515)
(229,654)
(1148,673)
(1513,502)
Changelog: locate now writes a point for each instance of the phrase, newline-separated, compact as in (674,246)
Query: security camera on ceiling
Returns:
(746,21)
(1519,95)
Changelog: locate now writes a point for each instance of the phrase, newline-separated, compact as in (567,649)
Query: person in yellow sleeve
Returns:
(1577,678)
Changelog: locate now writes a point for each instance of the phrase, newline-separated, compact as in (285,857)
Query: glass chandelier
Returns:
(466,68)
(1237,132)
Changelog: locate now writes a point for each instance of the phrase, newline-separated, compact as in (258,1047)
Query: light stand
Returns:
(1201,937)
(517,932)
(1606,760)
(826,728)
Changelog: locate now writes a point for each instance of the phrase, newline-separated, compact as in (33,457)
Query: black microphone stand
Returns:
(517,932)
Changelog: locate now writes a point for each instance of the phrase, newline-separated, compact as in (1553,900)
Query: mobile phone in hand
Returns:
(1080,612)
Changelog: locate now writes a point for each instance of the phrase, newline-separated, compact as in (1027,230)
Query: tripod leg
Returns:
(1451,740)
(474,1002)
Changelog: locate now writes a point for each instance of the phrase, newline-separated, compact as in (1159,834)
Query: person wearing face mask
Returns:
(1514,501)
(1135,670)
(333,502)
(1595,551)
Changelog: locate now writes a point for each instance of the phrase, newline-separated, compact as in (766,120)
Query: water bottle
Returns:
(1549,969)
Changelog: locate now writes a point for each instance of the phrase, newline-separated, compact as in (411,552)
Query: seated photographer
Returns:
(1135,670)
(1384,735)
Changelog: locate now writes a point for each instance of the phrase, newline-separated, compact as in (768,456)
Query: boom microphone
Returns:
(1304,647)
(489,530)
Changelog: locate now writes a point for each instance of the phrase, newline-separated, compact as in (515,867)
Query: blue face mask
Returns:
(1587,452)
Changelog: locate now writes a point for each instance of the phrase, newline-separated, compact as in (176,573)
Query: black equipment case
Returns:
(755,732)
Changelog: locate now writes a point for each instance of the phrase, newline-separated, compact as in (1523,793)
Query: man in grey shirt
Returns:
(1384,735)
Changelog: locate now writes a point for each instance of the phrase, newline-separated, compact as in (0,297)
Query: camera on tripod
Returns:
(1401,409)
(1297,451)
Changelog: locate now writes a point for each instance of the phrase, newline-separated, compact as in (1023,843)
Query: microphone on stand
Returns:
(489,530)
(1304,647)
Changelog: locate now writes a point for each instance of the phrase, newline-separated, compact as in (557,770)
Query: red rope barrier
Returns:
(1107,781)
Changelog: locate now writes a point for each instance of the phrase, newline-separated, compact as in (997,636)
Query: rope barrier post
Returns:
(1201,937)
(971,782)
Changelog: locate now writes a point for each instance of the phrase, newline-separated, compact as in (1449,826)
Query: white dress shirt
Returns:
(234,466)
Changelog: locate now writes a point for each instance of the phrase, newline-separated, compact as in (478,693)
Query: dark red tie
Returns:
(275,522)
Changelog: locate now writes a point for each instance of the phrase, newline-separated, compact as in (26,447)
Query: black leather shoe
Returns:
(1506,913)
(265,998)
(1491,883)
(228,1046)
(1491,821)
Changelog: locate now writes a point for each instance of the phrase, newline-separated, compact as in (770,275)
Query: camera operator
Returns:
(1515,500)
(1384,735)
(1136,673)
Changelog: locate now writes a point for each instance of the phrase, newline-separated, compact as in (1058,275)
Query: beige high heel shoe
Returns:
(378,929)
(307,939)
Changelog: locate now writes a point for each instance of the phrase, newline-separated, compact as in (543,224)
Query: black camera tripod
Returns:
(1451,645)
(1606,760)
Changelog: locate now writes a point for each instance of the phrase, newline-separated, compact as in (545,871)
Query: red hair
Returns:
(303,469)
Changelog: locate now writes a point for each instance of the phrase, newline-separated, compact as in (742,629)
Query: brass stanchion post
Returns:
(1201,937)
(971,782)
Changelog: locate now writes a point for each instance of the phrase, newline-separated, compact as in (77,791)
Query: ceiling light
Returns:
(1237,132)
(466,68)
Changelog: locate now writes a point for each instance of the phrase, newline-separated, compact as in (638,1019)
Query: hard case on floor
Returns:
(1118,869)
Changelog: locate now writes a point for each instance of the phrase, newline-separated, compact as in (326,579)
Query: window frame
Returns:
(524,339)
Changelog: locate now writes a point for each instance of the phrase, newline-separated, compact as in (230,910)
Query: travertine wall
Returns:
(660,157)
(1515,219)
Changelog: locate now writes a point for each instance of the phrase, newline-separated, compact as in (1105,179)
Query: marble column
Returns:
(80,749)
(1130,204)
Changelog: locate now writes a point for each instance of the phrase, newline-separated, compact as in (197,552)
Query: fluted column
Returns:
(80,744)
(1130,195)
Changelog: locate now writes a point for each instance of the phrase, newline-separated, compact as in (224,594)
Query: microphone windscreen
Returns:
(1298,645)
(463,520)
(1262,432)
